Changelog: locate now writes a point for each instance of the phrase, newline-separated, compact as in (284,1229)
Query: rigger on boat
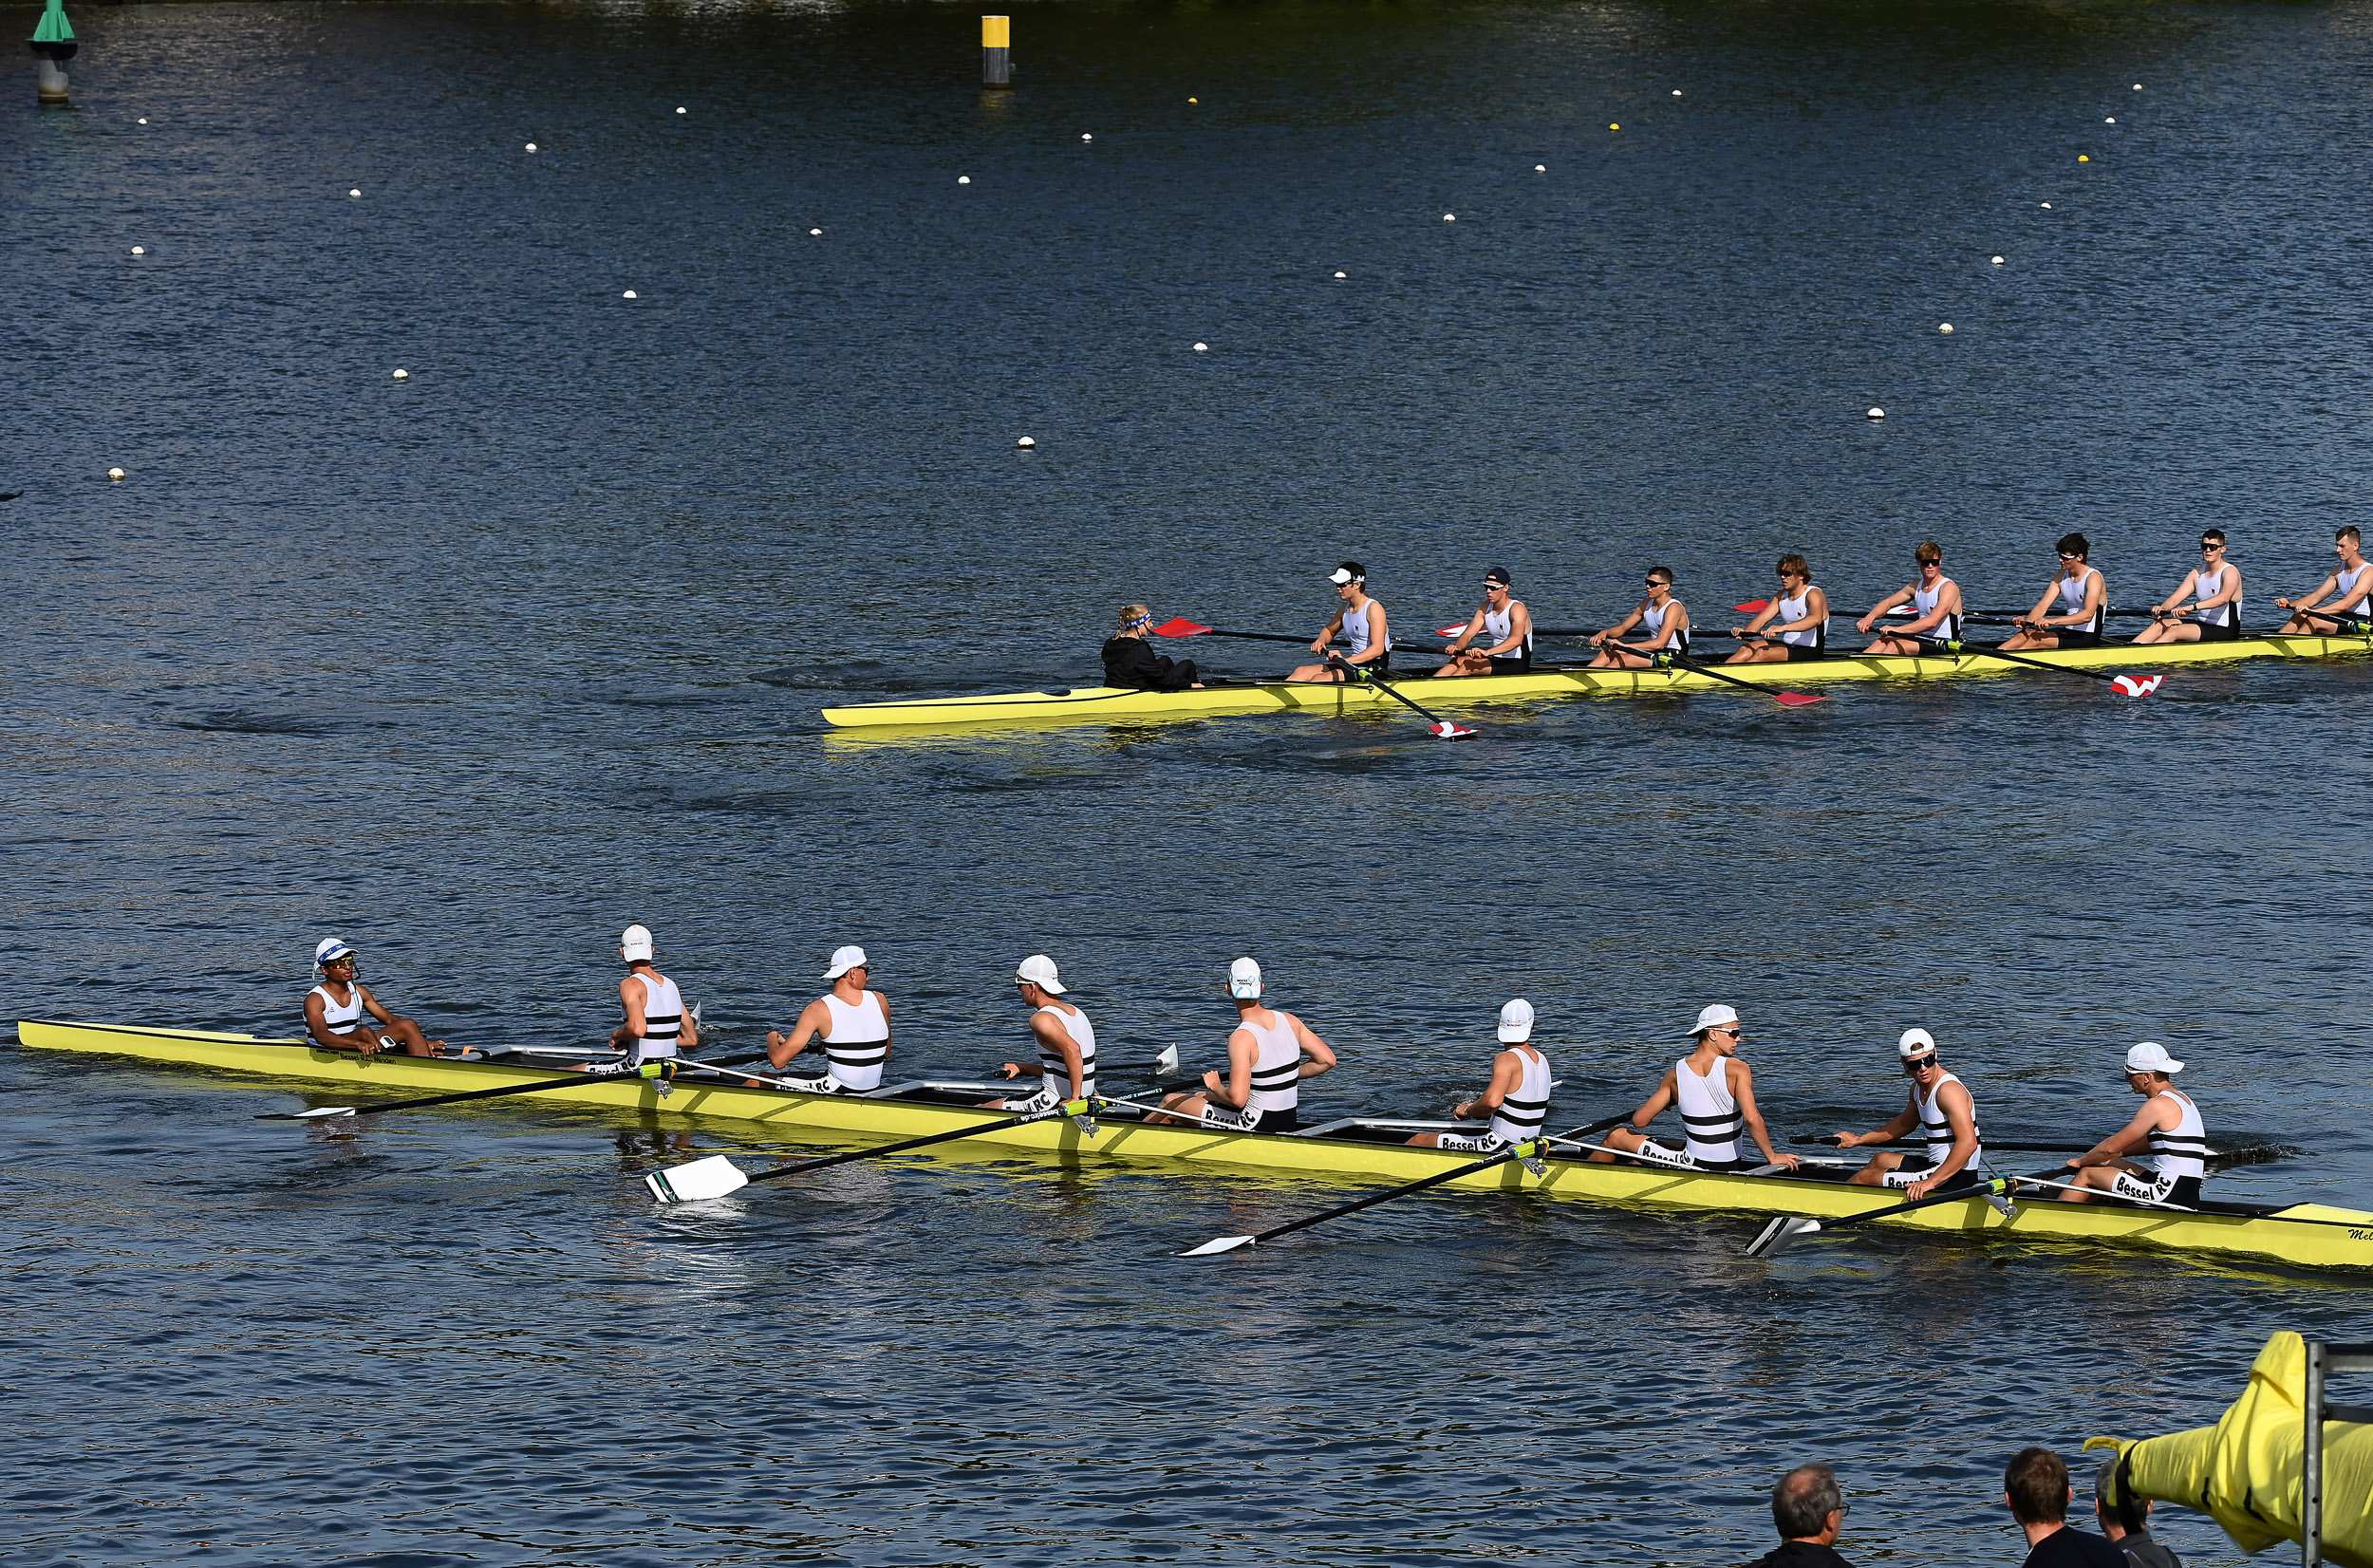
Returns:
(2139,1187)
(1918,632)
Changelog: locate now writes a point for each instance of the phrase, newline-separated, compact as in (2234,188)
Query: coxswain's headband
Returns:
(1145,620)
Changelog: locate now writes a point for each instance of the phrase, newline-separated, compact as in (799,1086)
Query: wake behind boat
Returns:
(2310,1235)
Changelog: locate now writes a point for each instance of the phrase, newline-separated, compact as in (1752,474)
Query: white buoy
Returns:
(964,179)
(2137,87)
(2047,206)
(628,294)
(1944,326)
(139,250)
(1997,261)
(814,231)
(355,192)
(1085,137)
(1025,443)
(679,108)
(1343,275)
(1203,348)
(144,119)
(530,146)
(1450,218)
(2112,120)
(404,375)
(115,474)
(1676,92)
(1540,168)
(1876,413)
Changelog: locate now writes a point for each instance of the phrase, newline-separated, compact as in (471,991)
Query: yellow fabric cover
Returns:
(2246,1470)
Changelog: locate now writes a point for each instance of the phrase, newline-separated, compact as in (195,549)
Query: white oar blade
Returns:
(2138,685)
(695,1179)
(1448,731)
(1779,1234)
(1165,1065)
(324,1110)
(1217,1245)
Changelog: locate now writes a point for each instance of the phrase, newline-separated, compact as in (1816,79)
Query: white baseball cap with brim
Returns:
(1039,971)
(2151,1056)
(634,943)
(844,960)
(1915,1044)
(1341,575)
(1516,1022)
(1716,1017)
(1243,980)
(331,950)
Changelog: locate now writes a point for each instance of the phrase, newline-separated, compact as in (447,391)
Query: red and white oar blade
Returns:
(1797,699)
(2137,685)
(1754,606)
(1447,731)
(1179,626)
(1451,631)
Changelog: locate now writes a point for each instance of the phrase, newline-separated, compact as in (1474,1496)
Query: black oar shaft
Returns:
(1390,690)
(924,1142)
(1375,1198)
(496,1092)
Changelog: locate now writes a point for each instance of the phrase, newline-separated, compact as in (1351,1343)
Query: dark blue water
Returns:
(475,667)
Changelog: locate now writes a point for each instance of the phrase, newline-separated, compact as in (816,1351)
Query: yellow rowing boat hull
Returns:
(2270,1236)
(1095,704)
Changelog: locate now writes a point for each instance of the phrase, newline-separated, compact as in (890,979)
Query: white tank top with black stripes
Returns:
(663,1021)
(1055,1072)
(1526,1106)
(1276,1066)
(341,1017)
(859,1043)
(1710,1112)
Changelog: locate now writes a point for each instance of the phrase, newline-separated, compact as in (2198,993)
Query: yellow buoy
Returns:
(2082,158)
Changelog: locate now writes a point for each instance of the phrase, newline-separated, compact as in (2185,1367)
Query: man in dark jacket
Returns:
(1808,1512)
(2126,1522)
(2036,1488)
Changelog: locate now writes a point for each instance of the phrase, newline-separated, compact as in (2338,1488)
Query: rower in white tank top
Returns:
(2214,577)
(2349,590)
(1936,1127)
(1651,619)
(1924,602)
(1058,1029)
(2355,590)
(1944,1112)
(1715,1092)
(850,1024)
(340,1018)
(1795,609)
(2072,593)
(1269,1052)
(359,1022)
(662,1019)
(1518,1095)
(1659,624)
(2161,1156)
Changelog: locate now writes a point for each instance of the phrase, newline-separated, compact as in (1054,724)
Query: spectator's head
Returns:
(2115,1505)
(1805,1504)
(2036,1486)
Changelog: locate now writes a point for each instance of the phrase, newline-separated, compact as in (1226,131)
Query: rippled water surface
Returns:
(474,667)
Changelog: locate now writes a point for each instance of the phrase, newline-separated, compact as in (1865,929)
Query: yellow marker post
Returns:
(997,57)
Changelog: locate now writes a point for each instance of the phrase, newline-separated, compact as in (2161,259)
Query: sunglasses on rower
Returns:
(1919,1064)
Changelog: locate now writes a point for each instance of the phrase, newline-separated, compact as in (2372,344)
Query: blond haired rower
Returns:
(1935,600)
(1662,620)
(1716,1094)
(656,1025)
(1130,662)
(2352,607)
(2214,587)
(1066,1068)
(1518,1095)
(1793,626)
(2168,1125)
(1269,1052)
(342,1015)
(1942,1107)
(851,1024)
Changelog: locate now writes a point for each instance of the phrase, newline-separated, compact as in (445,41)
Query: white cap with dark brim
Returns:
(330,950)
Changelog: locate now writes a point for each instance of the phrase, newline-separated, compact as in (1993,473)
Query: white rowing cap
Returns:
(846,959)
(329,951)
(1243,980)
(2151,1056)
(1516,1022)
(634,945)
(1716,1017)
(1915,1044)
(1039,971)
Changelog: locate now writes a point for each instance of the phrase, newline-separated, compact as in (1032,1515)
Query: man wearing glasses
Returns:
(339,1012)
(851,1024)
(1716,1094)
(2083,595)
(1498,640)
(1663,624)
(1941,1107)
(1066,1068)
(2168,1125)
(2214,587)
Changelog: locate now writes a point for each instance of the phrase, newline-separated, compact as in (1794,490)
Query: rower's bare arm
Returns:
(2172,600)
(1623,625)
(1900,596)
(1318,644)
(317,1024)
(1320,1057)
(1961,1115)
(889,1033)
(1379,633)
(1237,1091)
(1465,639)
(2156,1115)
(1652,1106)
(1506,1073)
(815,1019)
(370,1005)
